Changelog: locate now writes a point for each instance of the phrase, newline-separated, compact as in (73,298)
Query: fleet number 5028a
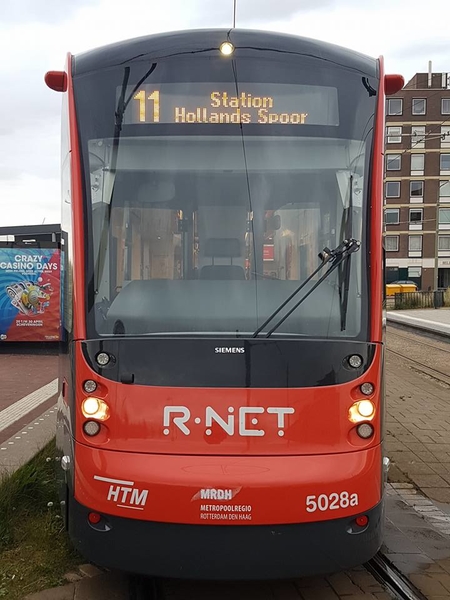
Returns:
(332,501)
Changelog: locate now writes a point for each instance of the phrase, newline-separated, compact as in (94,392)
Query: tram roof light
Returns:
(226,48)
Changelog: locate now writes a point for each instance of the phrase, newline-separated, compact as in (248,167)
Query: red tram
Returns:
(221,388)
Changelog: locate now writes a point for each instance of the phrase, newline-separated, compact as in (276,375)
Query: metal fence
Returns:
(436,299)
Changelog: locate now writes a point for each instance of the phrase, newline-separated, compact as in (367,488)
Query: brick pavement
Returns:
(357,584)
(21,374)
(418,427)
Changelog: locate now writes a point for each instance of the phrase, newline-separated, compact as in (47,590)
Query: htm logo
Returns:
(124,494)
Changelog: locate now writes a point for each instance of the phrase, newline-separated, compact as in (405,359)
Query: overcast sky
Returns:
(35,36)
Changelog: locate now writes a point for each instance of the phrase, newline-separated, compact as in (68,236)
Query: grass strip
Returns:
(35,552)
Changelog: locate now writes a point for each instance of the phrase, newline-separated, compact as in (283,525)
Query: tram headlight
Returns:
(94,408)
(363,410)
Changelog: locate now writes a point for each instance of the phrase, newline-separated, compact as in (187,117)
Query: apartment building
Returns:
(417,182)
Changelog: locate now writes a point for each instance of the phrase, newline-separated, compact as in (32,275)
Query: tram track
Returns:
(430,371)
(391,578)
(145,588)
(387,575)
(396,584)
(413,353)
(393,330)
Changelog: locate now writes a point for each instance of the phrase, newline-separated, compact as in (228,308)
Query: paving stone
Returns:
(65,592)
(428,584)
(319,594)
(366,582)
(312,582)
(439,494)
(72,577)
(285,591)
(402,486)
(107,586)
(89,570)
(429,481)
(342,584)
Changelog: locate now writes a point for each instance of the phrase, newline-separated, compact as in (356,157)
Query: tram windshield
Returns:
(210,201)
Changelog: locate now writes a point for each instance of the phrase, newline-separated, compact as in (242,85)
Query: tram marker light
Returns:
(89,386)
(94,408)
(226,48)
(94,518)
(367,388)
(91,428)
(362,520)
(355,361)
(102,359)
(365,430)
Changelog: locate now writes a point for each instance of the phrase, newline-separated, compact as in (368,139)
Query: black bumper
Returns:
(226,552)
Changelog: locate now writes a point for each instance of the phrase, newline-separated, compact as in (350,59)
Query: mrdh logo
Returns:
(236,422)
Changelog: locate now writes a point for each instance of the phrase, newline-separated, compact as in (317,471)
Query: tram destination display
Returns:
(218,103)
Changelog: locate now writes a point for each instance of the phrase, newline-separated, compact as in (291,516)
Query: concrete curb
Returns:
(95,585)
(27,442)
(417,323)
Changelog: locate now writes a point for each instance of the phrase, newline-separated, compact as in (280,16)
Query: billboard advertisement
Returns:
(30,281)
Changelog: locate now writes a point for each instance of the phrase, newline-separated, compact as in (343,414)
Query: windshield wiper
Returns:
(333,257)
(344,272)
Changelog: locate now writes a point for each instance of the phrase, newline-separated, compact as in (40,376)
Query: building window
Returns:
(418,137)
(391,243)
(394,135)
(444,244)
(445,137)
(417,164)
(415,218)
(415,245)
(392,189)
(395,106)
(444,218)
(419,106)
(414,272)
(393,162)
(445,163)
(416,191)
(391,216)
(445,106)
(444,191)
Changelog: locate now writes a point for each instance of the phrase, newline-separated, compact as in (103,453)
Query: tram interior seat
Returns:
(222,248)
